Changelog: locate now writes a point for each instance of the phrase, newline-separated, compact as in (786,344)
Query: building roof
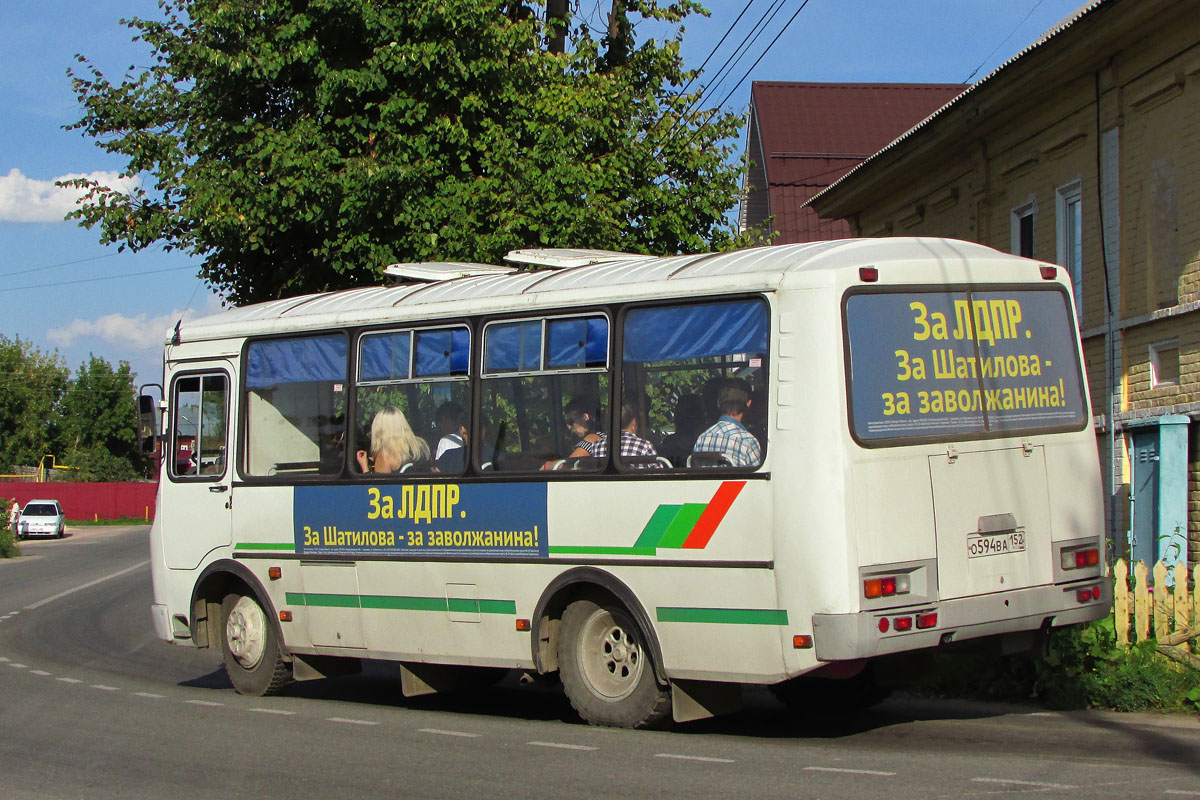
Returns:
(935,115)
(807,135)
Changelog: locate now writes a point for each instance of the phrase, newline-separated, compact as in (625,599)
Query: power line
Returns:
(1005,39)
(54,266)
(718,106)
(93,280)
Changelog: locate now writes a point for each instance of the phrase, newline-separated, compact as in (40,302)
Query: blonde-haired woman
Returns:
(393,443)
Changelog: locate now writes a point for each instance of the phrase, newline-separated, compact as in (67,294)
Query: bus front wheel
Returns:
(605,667)
(250,648)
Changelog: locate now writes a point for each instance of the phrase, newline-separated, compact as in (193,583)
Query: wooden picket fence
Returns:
(1153,610)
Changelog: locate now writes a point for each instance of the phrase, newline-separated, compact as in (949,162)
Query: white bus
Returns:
(823,456)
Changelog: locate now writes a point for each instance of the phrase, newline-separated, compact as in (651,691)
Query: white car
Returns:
(42,518)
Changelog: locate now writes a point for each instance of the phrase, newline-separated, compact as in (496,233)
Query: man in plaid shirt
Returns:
(729,437)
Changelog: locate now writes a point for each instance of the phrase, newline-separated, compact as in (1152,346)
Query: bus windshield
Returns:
(961,363)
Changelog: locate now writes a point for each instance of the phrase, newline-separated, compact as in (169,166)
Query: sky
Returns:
(62,291)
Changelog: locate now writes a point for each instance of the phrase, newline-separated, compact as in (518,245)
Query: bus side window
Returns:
(545,389)
(413,401)
(295,405)
(697,372)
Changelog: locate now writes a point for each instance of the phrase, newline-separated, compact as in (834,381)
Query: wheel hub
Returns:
(245,633)
(611,660)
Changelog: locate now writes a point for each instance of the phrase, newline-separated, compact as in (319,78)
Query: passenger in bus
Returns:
(583,418)
(636,452)
(729,437)
(393,443)
(451,452)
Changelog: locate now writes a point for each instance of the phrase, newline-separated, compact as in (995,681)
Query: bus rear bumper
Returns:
(839,637)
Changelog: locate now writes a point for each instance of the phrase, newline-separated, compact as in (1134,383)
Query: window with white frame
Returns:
(1164,363)
(1069,214)
(1023,217)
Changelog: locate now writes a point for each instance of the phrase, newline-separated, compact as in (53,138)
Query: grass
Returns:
(99,523)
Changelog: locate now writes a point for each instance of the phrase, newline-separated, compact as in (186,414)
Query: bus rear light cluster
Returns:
(1088,595)
(907,622)
(886,586)
(1080,557)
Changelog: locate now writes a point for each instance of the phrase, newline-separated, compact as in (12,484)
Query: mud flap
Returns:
(691,700)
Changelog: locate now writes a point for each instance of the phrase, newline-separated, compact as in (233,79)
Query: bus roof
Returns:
(572,282)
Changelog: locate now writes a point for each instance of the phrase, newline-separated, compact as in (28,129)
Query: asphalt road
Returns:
(93,706)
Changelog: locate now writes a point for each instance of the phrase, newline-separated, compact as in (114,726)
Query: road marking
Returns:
(1042,714)
(151,695)
(205,703)
(463,734)
(344,721)
(1183,792)
(38,672)
(1010,782)
(104,688)
(562,746)
(695,758)
(70,680)
(851,771)
(278,711)
(87,585)
(3,660)
(15,665)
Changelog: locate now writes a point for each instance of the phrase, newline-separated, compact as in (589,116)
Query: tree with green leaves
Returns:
(32,385)
(99,433)
(301,145)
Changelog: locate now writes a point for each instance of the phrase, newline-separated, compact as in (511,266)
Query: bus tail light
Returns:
(927,620)
(903,623)
(1049,273)
(1080,557)
(1088,595)
(868,274)
(886,586)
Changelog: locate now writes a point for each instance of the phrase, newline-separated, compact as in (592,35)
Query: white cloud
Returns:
(28,200)
(141,333)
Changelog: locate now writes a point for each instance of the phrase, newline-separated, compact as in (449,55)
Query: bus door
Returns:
(199,472)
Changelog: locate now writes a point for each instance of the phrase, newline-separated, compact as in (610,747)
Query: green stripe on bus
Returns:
(686,519)
(603,551)
(724,616)
(660,520)
(288,546)
(399,603)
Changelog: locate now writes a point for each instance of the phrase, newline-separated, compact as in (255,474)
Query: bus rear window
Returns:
(929,364)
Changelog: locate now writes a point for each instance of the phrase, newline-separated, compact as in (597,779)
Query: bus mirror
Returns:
(147,423)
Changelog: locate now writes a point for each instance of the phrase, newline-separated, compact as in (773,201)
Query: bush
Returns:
(1080,667)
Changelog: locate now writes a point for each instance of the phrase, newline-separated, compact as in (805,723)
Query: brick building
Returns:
(804,136)
(1082,151)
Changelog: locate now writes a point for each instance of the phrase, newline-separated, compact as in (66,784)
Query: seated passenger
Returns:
(638,452)
(729,438)
(393,443)
(451,452)
(583,419)
(689,424)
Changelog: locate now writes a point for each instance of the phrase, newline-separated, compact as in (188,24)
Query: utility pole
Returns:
(557,12)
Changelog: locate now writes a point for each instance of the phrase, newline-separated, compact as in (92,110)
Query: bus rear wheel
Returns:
(606,669)
(250,648)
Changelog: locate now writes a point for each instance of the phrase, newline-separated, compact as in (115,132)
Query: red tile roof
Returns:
(813,133)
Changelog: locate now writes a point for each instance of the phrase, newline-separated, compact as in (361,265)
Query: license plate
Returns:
(996,544)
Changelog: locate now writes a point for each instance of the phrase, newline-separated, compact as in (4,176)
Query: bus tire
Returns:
(250,648)
(606,668)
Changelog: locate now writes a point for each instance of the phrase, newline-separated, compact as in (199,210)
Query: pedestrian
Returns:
(14,519)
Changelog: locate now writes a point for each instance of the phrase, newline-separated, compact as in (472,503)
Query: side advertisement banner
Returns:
(431,519)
